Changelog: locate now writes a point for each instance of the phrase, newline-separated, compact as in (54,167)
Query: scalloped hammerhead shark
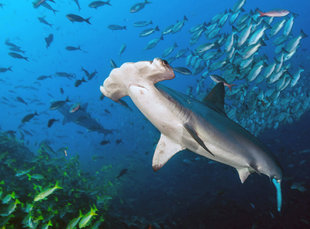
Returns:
(185,123)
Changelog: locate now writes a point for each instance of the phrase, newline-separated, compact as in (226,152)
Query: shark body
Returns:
(83,118)
(186,123)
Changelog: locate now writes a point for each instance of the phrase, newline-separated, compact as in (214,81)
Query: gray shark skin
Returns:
(82,117)
(186,123)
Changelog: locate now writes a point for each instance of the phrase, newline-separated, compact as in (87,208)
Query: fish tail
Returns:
(108,2)
(303,34)
(261,14)
(146,2)
(57,185)
(87,20)
(230,86)
(10,69)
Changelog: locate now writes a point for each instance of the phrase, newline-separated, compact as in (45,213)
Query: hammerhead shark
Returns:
(185,123)
(83,118)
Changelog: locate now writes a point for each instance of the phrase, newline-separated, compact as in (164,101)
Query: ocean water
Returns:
(111,171)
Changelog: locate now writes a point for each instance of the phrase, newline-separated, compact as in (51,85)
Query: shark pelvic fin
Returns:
(215,98)
(165,149)
(243,174)
(194,134)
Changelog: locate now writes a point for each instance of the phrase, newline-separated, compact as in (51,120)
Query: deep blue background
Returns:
(180,183)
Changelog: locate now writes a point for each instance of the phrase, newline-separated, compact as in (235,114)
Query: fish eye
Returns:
(164,62)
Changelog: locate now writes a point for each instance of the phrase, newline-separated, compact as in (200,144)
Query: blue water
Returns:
(185,193)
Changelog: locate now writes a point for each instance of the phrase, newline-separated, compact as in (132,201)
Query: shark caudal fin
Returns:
(277,185)
(166,148)
(141,73)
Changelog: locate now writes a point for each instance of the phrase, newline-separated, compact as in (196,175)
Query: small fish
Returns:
(183,70)
(43,77)
(274,13)
(113,64)
(51,122)
(73,48)
(104,142)
(219,79)
(56,104)
(86,218)
(61,90)
(122,173)
(142,23)
(298,186)
(74,222)
(45,193)
(49,39)
(47,6)
(17,49)
(92,75)
(118,141)
(43,21)
(79,82)
(138,6)
(47,225)
(11,208)
(35,176)
(77,4)
(18,56)
(77,18)
(11,44)
(6,69)
(74,107)
(65,74)
(21,100)
(152,43)
(38,3)
(8,197)
(85,71)
(169,50)
(28,117)
(117,27)
(96,4)
(148,32)
(124,104)
(122,49)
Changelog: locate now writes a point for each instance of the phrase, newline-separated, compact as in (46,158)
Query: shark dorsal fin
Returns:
(215,98)
(165,149)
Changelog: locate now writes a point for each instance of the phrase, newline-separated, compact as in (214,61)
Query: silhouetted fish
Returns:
(77,18)
(122,173)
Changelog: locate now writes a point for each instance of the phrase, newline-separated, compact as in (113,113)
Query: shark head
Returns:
(142,73)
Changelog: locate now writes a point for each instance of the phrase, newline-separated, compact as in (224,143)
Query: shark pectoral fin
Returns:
(194,134)
(243,174)
(165,149)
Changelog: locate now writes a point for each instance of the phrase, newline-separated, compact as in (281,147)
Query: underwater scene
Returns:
(153,114)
